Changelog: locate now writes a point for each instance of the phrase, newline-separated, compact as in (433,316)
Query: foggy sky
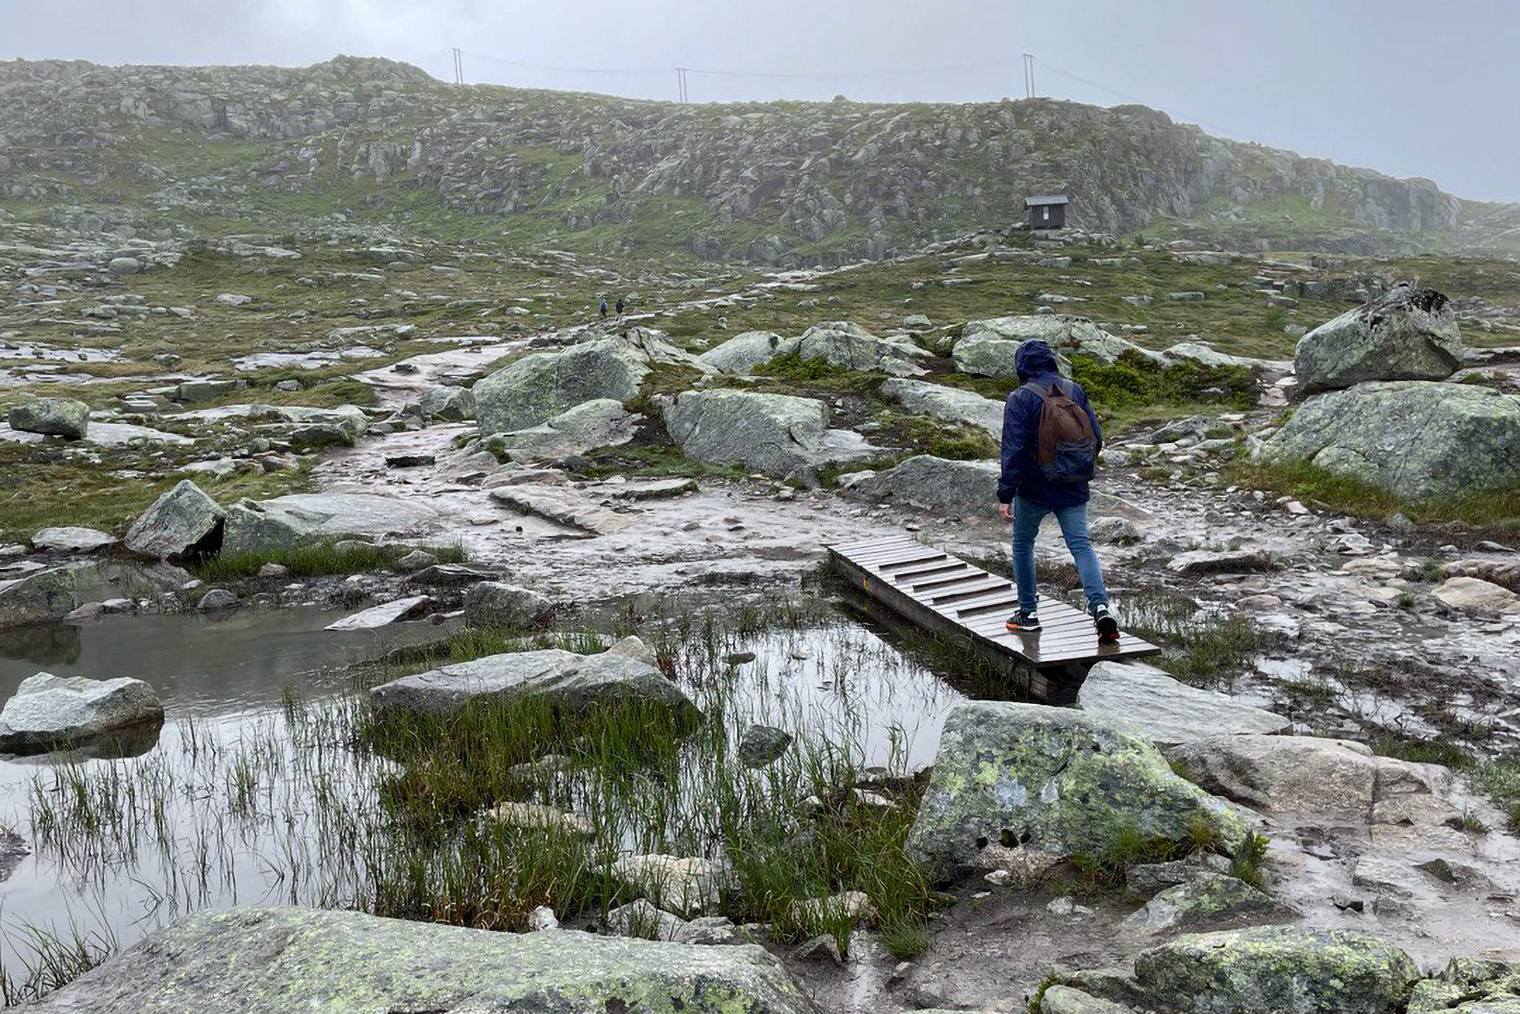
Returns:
(1407,88)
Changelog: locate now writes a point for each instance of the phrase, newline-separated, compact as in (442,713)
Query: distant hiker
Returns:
(1051,441)
(620,308)
(604,307)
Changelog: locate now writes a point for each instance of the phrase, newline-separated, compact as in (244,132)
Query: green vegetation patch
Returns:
(320,559)
(1495,509)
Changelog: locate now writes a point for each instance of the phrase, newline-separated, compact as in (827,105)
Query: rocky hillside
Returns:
(380,146)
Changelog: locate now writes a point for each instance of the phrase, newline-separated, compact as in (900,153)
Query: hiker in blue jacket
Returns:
(1036,482)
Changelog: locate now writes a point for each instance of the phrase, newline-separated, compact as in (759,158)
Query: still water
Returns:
(234,800)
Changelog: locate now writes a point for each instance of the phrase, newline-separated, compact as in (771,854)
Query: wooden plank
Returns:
(938,567)
(937,591)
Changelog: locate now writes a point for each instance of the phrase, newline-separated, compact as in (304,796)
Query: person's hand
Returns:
(1005,510)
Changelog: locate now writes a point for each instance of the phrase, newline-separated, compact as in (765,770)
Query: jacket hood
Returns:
(1034,358)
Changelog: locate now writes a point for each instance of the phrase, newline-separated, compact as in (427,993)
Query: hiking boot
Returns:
(1024,623)
(1108,627)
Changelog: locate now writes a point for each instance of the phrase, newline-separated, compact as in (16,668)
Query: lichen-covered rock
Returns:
(1405,334)
(542,385)
(495,604)
(986,347)
(1476,596)
(1208,900)
(939,485)
(743,352)
(50,712)
(451,404)
(39,597)
(575,684)
(1415,438)
(948,403)
(183,522)
(1469,986)
(601,422)
(1053,779)
(247,960)
(1277,970)
(54,417)
(1058,999)
(851,347)
(777,434)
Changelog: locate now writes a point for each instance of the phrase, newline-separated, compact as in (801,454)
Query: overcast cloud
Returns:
(1411,89)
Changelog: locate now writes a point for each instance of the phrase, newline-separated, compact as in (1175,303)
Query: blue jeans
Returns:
(1073,521)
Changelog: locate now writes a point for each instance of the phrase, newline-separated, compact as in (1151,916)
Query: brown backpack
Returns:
(1065,446)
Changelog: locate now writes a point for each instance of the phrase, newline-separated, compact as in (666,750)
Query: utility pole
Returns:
(458,66)
(1029,75)
(681,92)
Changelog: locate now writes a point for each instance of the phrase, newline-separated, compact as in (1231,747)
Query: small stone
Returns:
(274,570)
(216,599)
(762,744)
(740,657)
(542,918)
(416,560)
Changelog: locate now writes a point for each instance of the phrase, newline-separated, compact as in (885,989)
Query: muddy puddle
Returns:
(257,790)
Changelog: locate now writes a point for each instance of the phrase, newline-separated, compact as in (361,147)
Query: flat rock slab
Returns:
(248,960)
(49,712)
(384,614)
(1166,711)
(106,434)
(575,683)
(366,514)
(565,506)
(71,540)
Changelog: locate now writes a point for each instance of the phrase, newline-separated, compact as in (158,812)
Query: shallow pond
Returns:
(256,791)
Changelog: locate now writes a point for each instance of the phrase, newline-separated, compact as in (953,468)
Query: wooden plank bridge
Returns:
(956,600)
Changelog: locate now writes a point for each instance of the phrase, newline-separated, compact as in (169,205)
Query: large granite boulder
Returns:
(1404,334)
(1056,780)
(54,417)
(1415,438)
(743,352)
(285,521)
(601,422)
(851,347)
(247,960)
(1277,970)
(50,712)
(184,522)
(542,385)
(986,347)
(776,434)
(574,684)
(948,403)
(39,597)
(938,485)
